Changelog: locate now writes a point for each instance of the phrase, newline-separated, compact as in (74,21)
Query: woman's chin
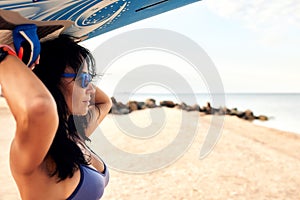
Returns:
(81,112)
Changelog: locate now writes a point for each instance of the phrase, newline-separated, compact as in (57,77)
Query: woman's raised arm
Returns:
(35,113)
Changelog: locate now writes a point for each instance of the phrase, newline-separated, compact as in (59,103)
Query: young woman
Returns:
(56,108)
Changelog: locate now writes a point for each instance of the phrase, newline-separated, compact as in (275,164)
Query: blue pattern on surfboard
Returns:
(92,17)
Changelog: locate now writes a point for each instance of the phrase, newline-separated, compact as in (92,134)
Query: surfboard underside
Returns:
(92,17)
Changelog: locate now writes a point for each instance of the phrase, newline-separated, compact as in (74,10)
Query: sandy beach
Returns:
(248,162)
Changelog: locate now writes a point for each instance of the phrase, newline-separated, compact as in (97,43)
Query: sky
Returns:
(253,44)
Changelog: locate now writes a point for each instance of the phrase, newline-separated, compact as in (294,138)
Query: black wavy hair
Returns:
(56,55)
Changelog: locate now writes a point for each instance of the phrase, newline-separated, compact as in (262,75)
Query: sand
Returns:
(248,161)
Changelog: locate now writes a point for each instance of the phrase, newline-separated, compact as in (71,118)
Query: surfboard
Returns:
(90,18)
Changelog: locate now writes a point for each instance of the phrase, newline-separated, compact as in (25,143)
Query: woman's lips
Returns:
(87,102)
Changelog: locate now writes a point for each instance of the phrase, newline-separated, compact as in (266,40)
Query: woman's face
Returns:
(77,98)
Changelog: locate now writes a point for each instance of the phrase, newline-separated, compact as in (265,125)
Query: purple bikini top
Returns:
(91,185)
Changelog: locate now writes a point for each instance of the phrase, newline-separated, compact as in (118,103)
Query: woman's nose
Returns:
(91,88)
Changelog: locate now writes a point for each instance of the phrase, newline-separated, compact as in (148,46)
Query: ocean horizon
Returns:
(281,108)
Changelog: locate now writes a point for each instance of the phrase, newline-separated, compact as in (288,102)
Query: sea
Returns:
(282,109)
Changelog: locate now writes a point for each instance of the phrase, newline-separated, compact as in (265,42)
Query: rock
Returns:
(119,111)
(121,105)
(118,108)
(247,115)
(184,106)
(150,103)
(141,105)
(222,111)
(207,109)
(132,105)
(178,106)
(234,111)
(201,109)
(114,109)
(181,106)
(113,100)
(194,107)
(123,111)
(262,118)
(169,104)
(240,114)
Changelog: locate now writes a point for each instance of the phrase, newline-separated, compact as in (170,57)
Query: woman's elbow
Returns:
(108,105)
(43,109)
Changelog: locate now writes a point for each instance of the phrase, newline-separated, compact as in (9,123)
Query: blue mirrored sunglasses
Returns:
(85,78)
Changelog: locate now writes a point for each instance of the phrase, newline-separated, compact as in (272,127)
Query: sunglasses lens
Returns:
(86,79)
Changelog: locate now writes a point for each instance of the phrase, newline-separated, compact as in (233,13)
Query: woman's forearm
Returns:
(100,106)
(101,99)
